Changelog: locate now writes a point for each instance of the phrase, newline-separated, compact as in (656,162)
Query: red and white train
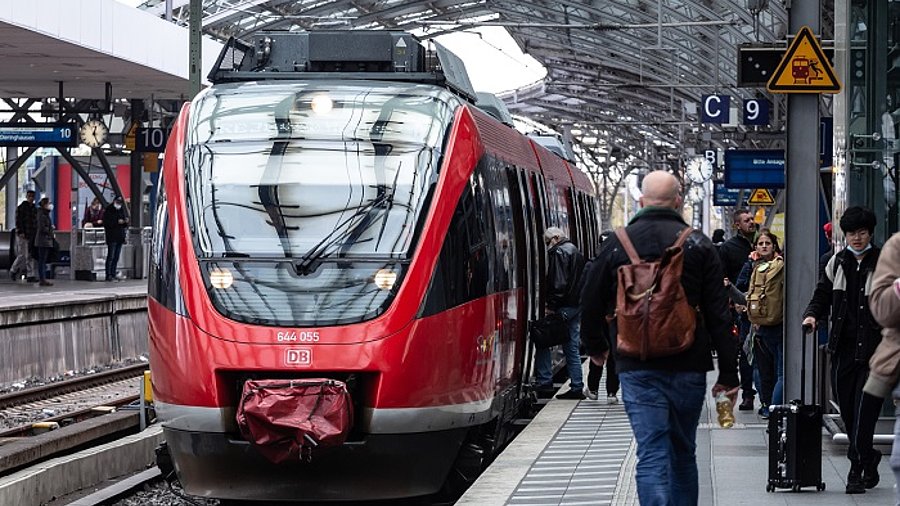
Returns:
(334,207)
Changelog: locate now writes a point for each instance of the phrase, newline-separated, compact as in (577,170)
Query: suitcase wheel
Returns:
(770,488)
(821,486)
(795,488)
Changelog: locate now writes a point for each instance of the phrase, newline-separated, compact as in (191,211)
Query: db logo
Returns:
(298,356)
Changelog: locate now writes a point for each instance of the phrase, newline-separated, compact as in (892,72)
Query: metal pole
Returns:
(801,213)
(169,10)
(195,54)
(12,195)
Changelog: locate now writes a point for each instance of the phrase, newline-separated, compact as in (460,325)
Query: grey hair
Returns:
(552,232)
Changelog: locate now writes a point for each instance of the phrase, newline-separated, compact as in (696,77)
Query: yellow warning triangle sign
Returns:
(761,197)
(804,68)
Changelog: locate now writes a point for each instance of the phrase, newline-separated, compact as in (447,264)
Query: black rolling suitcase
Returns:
(795,440)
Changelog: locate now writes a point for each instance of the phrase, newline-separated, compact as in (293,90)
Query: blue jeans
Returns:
(542,367)
(664,410)
(113,250)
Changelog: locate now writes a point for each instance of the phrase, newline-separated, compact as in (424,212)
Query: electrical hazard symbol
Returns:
(804,68)
(761,197)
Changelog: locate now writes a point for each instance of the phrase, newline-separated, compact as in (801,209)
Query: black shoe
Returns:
(855,483)
(572,394)
(544,392)
(31,279)
(870,476)
(746,404)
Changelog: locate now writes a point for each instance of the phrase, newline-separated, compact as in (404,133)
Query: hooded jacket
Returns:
(652,231)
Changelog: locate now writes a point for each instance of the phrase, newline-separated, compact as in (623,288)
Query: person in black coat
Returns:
(115,224)
(565,264)
(43,239)
(734,253)
(842,291)
(26,224)
(664,396)
(735,250)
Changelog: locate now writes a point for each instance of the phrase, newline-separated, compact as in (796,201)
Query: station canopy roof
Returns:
(624,77)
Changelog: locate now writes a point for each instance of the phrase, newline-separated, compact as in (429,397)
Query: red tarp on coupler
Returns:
(287,419)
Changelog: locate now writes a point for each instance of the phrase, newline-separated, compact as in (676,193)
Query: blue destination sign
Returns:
(754,168)
(724,196)
(39,134)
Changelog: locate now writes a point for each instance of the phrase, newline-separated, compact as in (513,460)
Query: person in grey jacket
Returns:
(43,239)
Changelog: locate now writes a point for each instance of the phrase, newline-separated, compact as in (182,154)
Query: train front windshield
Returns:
(306,199)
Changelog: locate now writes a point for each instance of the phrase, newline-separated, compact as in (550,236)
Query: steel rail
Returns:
(71,385)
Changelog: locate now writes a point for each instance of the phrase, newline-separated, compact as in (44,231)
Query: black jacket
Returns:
(733,253)
(26,219)
(852,323)
(115,231)
(43,235)
(653,230)
(564,270)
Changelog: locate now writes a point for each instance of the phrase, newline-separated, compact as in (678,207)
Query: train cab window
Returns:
(307,195)
(162,276)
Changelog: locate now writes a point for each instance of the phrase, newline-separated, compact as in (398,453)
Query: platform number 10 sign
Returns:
(151,139)
(756,112)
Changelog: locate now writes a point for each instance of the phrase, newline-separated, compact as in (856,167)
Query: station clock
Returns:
(94,133)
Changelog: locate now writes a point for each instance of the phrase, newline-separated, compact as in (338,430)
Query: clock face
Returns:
(699,170)
(696,194)
(94,133)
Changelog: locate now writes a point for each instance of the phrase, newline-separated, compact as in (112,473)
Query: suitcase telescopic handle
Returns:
(807,329)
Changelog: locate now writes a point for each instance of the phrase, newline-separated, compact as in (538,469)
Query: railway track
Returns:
(50,420)
(72,385)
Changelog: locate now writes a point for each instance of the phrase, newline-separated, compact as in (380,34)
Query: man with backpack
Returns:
(664,353)
(843,291)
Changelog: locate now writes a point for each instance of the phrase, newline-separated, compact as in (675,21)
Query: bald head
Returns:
(661,189)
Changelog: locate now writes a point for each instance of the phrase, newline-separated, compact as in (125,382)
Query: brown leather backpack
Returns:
(653,316)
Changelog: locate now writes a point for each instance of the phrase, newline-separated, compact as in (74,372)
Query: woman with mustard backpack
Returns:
(760,288)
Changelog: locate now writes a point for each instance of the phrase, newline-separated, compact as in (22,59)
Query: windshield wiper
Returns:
(355,225)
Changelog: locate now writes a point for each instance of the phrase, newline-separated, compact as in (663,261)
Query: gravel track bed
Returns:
(158,494)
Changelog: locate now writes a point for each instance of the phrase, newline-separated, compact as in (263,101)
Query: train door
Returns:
(526,268)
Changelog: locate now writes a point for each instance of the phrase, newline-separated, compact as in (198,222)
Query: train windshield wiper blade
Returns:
(347,229)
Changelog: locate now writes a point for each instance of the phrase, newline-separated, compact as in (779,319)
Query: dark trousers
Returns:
(595,372)
(113,250)
(765,364)
(43,253)
(859,411)
(744,366)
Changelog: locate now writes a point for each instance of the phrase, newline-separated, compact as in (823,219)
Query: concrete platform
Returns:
(48,330)
(583,453)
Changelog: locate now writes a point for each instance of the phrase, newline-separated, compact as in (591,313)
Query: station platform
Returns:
(49,331)
(583,453)
(24,295)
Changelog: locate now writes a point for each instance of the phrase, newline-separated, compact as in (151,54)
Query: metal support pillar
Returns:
(801,215)
(137,171)
(12,170)
(196,43)
(12,195)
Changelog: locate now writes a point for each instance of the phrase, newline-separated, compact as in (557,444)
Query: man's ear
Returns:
(641,201)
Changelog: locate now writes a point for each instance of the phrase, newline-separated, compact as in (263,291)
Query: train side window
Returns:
(463,270)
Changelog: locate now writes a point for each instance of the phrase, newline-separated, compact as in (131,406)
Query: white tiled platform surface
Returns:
(582,453)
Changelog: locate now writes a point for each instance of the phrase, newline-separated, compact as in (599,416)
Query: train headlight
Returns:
(221,279)
(321,104)
(385,279)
